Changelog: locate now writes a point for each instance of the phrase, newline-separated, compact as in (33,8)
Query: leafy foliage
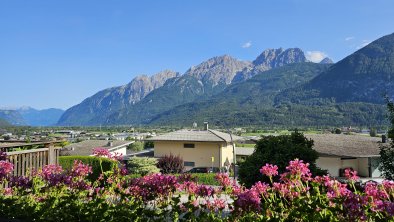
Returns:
(387,151)
(54,195)
(97,163)
(142,165)
(136,146)
(278,150)
(170,164)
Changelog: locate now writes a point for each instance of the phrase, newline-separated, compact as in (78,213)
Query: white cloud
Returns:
(363,44)
(349,38)
(246,44)
(315,56)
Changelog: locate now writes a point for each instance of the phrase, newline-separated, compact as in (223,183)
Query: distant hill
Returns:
(4,123)
(28,116)
(44,117)
(12,117)
(364,76)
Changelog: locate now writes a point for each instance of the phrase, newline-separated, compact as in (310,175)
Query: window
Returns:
(189,164)
(188,145)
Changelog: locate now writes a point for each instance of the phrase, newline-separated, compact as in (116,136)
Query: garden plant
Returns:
(54,194)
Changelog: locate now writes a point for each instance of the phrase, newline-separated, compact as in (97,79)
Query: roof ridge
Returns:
(210,130)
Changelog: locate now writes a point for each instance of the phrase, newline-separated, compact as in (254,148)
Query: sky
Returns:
(57,53)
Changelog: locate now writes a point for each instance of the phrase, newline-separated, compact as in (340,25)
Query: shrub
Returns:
(386,164)
(149,144)
(278,150)
(338,131)
(170,164)
(142,165)
(136,146)
(201,178)
(108,165)
(373,132)
(54,195)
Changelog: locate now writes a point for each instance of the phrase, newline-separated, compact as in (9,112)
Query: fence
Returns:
(28,160)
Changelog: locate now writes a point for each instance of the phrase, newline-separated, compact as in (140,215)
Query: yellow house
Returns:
(198,148)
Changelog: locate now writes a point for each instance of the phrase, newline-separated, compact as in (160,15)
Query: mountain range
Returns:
(27,116)
(280,87)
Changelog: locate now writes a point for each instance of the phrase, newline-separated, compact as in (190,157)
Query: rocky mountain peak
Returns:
(326,61)
(217,70)
(269,59)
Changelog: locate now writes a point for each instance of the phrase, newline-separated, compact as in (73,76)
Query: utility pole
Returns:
(234,156)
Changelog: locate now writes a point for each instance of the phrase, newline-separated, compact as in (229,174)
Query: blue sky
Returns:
(57,53)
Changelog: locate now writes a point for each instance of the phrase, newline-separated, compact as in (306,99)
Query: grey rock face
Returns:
(269,59)
(109,100)
(218,70)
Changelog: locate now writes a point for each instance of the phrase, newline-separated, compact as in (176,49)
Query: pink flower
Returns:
(351,175)
(248,201)
(261,188)
(6,168)
(298,167)
(205,191)
(269,170)
(101,152)
(223,179)
(80,169)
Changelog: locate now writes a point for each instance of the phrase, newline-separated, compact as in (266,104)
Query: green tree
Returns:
(142,165)
(373,132)
(386,165)
(149,144)
(136,146)
(278,150)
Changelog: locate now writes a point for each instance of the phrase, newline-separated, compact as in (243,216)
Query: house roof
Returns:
(334,145)
(196,136)
(341,145)
(85,148)
(244,151)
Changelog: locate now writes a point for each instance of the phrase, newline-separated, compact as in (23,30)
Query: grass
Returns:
(245,145)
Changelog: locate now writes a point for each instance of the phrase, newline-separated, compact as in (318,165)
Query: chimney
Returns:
(206,126)
(384,139)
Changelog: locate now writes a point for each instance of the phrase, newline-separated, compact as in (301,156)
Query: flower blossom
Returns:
(269,170)
(80,169)
(351,174)
(6,168)
(248,201)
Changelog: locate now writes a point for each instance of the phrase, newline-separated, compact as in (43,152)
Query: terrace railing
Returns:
(27,160)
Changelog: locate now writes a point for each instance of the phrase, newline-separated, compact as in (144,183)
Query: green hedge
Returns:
(108,165)
(201,178)
(205,178)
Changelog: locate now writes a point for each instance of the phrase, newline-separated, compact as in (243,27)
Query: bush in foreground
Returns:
(52,194)
(170,164)
(142,165)
(66,162)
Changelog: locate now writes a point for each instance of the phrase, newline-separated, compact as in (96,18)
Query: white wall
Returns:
(350,163)
(121,151)
(363,167)
(332,164)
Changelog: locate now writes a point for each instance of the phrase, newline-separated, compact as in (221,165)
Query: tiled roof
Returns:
(243,151)
(345,145)
(86,147)
(196,136)
(335,145)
